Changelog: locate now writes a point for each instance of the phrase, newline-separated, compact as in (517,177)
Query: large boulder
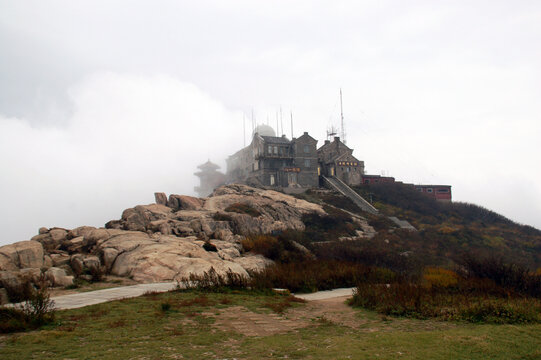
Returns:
(184,202)
(58,277)
(164,258)
(161,198)
(253,263)
(23,254)
(80,231)
(139,217)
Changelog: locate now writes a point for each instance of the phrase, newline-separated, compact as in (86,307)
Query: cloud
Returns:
(128,136)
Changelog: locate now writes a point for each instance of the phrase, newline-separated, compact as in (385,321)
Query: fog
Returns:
(103,103)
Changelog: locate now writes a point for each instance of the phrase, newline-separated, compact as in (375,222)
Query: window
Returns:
(420,189)
(281,150)
(367,181)
(348,169)
(443,191)
(306,149)
(276,150)
(270,150)
(307,163)
(429,190)
(272,180)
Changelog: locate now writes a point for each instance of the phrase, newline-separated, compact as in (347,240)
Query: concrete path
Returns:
(78,300)
(328,294)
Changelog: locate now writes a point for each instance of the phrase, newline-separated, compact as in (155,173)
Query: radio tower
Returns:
(343,130)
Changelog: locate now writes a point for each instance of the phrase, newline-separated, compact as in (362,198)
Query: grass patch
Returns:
(140,330)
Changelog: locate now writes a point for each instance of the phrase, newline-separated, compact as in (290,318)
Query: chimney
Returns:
(337,138)
(327,142)
(306,133)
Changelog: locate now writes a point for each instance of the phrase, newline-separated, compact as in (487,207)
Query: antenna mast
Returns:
(253,122)
(291,112)
(277,129)
(281,123)
(343,131)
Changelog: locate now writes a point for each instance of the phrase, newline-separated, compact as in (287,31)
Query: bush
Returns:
(510,276)
(243,208)
(278,248)
(439,277)
(312,275)
(18,292)
(37,311)
(213,282)
(464,301)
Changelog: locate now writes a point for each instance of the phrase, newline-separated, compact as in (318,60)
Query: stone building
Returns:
(209,178)
(272,160)
(336,159)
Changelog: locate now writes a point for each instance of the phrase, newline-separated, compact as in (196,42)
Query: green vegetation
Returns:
(194,326)
(452,230)
(38,310)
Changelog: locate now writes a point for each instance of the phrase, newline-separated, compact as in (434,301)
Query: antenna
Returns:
(291,112)
(331,132)
(281,123)
(343,132)
(277,130)
(244,128)
(253,121)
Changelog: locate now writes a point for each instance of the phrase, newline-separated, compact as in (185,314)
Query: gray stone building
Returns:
(272,160)
(336,159)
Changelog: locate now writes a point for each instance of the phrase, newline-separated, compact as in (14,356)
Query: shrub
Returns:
(278,248)
(243,208)
(439,277)
(312,275)
(381,223)
(509,276)
(39,308)
(18,292)
(37,311)
(214,282)
(446,303)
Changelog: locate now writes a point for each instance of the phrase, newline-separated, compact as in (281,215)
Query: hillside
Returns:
(448,232)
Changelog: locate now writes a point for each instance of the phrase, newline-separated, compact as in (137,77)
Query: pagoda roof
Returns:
(208,166)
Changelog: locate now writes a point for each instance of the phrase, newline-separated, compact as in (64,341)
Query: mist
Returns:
(104,103)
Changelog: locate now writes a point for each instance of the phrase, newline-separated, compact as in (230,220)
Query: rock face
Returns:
(160,242)
(24,254)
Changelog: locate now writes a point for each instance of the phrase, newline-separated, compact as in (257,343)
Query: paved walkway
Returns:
(78,300)
(327,294)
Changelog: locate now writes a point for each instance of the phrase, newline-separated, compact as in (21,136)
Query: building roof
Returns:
(208,166)
(264,130)
(276,140)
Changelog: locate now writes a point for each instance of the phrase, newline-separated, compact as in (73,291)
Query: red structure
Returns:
(438,192)
(376,179)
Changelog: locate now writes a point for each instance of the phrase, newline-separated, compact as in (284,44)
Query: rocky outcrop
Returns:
(24,254)
(166,241)
(58,277)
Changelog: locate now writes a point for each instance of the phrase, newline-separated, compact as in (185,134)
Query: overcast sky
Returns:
(102,103)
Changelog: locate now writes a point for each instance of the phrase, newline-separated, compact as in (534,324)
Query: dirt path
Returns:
(241,320)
